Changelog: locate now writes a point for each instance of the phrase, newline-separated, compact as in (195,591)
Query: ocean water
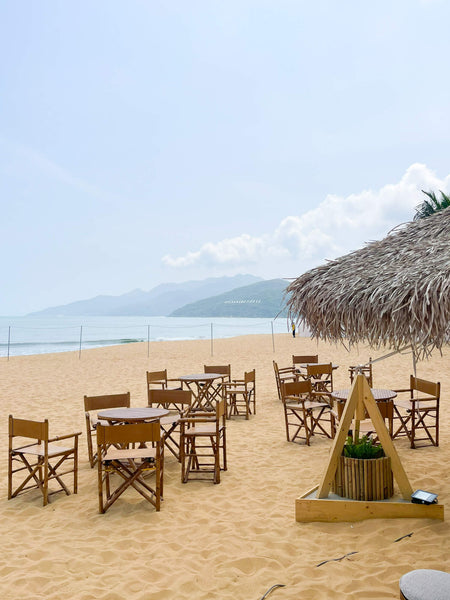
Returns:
(38,335)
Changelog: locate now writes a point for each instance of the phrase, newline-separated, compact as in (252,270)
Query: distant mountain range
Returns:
(163,300)
(261,299)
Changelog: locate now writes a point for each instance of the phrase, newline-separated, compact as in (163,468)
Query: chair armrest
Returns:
(405,390)
(325,396)
(199,413)
(294,399)
(292,377)
(64,437)
(424,399)
(197,420)
(234,387)
(328,394)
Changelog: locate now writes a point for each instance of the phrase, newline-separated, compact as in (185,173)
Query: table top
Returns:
(305,365)
(378,394)
(132,415)
(201,377)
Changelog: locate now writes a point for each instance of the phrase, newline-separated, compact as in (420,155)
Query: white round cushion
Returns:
(425,584)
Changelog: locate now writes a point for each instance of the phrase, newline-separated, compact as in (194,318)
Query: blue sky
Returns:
(144,142)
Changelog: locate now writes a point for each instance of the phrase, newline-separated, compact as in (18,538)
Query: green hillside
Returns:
(261,299)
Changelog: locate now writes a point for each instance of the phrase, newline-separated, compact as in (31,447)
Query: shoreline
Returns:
(226,541)
(70,334)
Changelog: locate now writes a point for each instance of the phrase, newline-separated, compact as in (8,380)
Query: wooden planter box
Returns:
(364,479)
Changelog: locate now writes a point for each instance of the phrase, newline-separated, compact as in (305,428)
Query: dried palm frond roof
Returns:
(393,292)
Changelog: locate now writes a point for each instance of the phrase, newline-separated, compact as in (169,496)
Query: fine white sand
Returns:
(229,541)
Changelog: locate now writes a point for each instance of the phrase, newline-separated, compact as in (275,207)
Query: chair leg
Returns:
(421,422)
(75,467)
(45,481)
(160,473)
(224,449)
(404,420)
(10,468)
(90,446)
(216,448)
(100,487)
(301,415)
(183,458)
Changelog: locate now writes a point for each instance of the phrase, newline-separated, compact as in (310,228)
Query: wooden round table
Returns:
(380,395)
(203,388)
(132,415)
(305,365)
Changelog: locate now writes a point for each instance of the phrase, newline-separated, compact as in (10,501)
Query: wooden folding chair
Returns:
(299,362)
(159,380)
(283,375)
(418,414)
(321,377)
(97,403)
(119,456)
(366,370)
(203,444)
(179,403)
(240,395)
(305,411)
(43,461)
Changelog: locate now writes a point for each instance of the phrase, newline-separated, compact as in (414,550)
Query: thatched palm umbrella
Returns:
(393,293)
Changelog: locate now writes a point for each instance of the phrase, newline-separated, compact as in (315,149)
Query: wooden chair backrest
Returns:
(128,434)
(365,370)
(306,358)
(178,399)
(296,388)
(157,377)
(37,430)
(319,369)
(250,376)
(221,409)
(425,387)
(386,408)
(221,369)
(107,401)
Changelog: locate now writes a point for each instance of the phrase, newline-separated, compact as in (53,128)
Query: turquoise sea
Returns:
(39,335)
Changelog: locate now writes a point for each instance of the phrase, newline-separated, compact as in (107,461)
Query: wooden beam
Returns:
(386,442)
(310,509)
(339,441)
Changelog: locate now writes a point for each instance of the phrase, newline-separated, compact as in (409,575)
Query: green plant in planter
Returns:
(363,447)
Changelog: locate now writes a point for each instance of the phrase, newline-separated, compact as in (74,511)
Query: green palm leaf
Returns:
(431,205)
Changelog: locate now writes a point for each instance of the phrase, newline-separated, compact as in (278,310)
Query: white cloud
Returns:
(337,226)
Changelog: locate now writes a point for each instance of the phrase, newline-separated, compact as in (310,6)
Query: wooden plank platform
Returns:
(334,509)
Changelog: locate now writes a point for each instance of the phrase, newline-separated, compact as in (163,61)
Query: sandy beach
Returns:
(229,541)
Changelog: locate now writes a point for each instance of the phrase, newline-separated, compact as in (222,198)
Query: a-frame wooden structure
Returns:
(315,505)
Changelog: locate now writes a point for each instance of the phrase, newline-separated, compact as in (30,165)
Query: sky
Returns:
(146,142)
